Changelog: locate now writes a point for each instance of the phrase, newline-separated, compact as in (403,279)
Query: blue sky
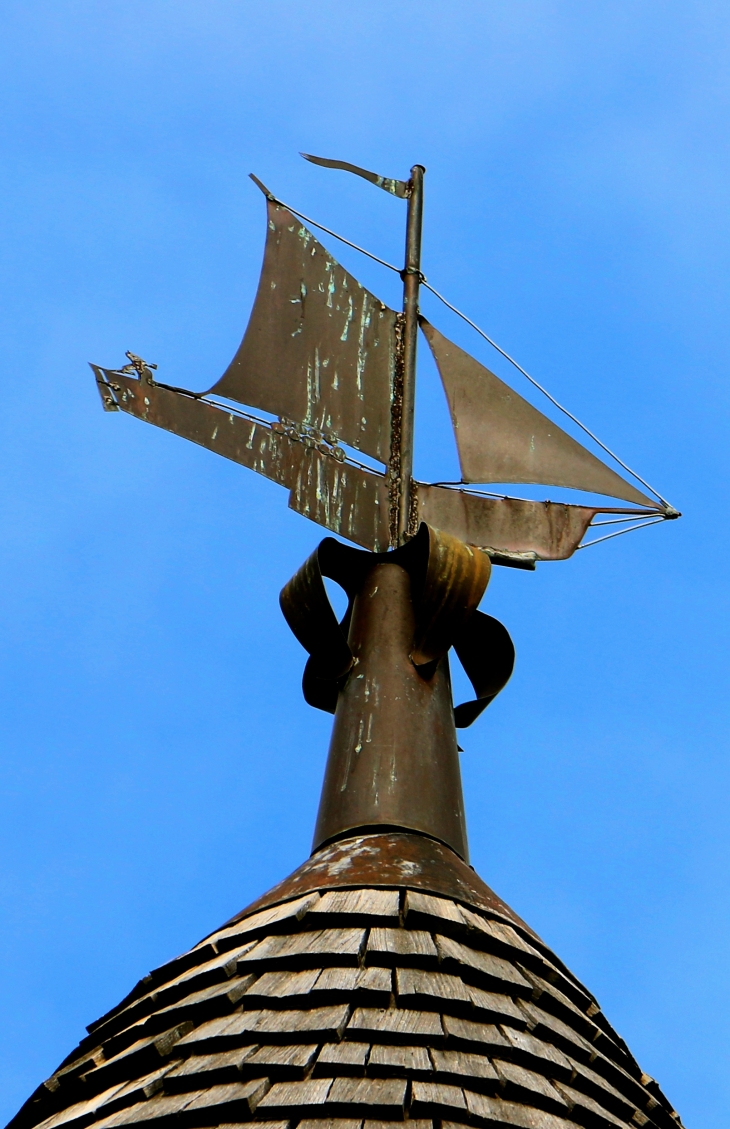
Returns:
(159,768)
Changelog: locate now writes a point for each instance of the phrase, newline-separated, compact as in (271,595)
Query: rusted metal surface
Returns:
(253,445)
(447,581)
(384,672)
(551,530)
(447,591)
(400,188)
(347,499)
(388,859)
(393,758)
(319,348)
(502,438)
(411,287)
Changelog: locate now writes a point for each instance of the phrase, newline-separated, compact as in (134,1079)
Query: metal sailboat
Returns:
(334,369)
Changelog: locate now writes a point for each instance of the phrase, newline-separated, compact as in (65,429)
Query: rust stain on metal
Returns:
(389,859)
(384,673)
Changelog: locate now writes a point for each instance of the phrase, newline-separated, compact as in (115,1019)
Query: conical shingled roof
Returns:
(382,983)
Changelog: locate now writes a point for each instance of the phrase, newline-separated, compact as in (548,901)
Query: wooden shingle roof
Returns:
(341,1003)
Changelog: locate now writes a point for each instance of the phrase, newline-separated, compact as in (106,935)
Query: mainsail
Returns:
(502,438)
(319,349)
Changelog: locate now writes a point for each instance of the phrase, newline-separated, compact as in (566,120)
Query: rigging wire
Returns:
(334,234)
(490,341)
(618,520)
(619,532)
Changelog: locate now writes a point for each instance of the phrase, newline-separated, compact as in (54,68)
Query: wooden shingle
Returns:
(341,1058)
(389,1059)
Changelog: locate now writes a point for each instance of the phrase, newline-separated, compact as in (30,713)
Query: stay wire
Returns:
(620,532)
(334,235)
(489,340)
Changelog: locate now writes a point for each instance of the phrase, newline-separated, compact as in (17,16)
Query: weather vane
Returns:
(383,981)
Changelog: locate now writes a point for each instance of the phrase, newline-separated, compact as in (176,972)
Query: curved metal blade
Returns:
(399,188)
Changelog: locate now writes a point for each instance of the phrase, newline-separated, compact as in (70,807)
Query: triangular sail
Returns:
(502,438)
(319,348)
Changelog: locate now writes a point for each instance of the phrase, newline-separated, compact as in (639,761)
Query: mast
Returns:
(411,285)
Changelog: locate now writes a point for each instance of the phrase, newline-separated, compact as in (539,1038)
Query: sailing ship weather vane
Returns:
(334,369)
(381,984)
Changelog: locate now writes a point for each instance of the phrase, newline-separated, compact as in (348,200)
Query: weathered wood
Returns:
(298,969)
(200,1005)
(551,999)
(397,1023)
(588,1111)
(211,1065)
(266,920)
(537,1054)
(366,906)
(294,1096)
(382,1097)
(596,1030)
(342,1059)
(588,1082)
(467,1033)
(135,1060)
(282,1061)
(257,1125)
(386,1059)
(280,985)
(427,911)
(207,1034)
(326,1023)
(500,937)
(464,1068)
(625,1083)
(500,1113)
(568,986)
(132,1039)
(83,1111)
(436,1099)
(224,964)
(307,949)
(494,1006)
(356,982)
(183,986)
(410,946)
(327,1123)
(412,1124)
(553,1030)
(231,1097)
(164,1105)
(520,1083)
(494,972)
(417,988)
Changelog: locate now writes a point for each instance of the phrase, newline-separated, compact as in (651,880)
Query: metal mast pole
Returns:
(411,286)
